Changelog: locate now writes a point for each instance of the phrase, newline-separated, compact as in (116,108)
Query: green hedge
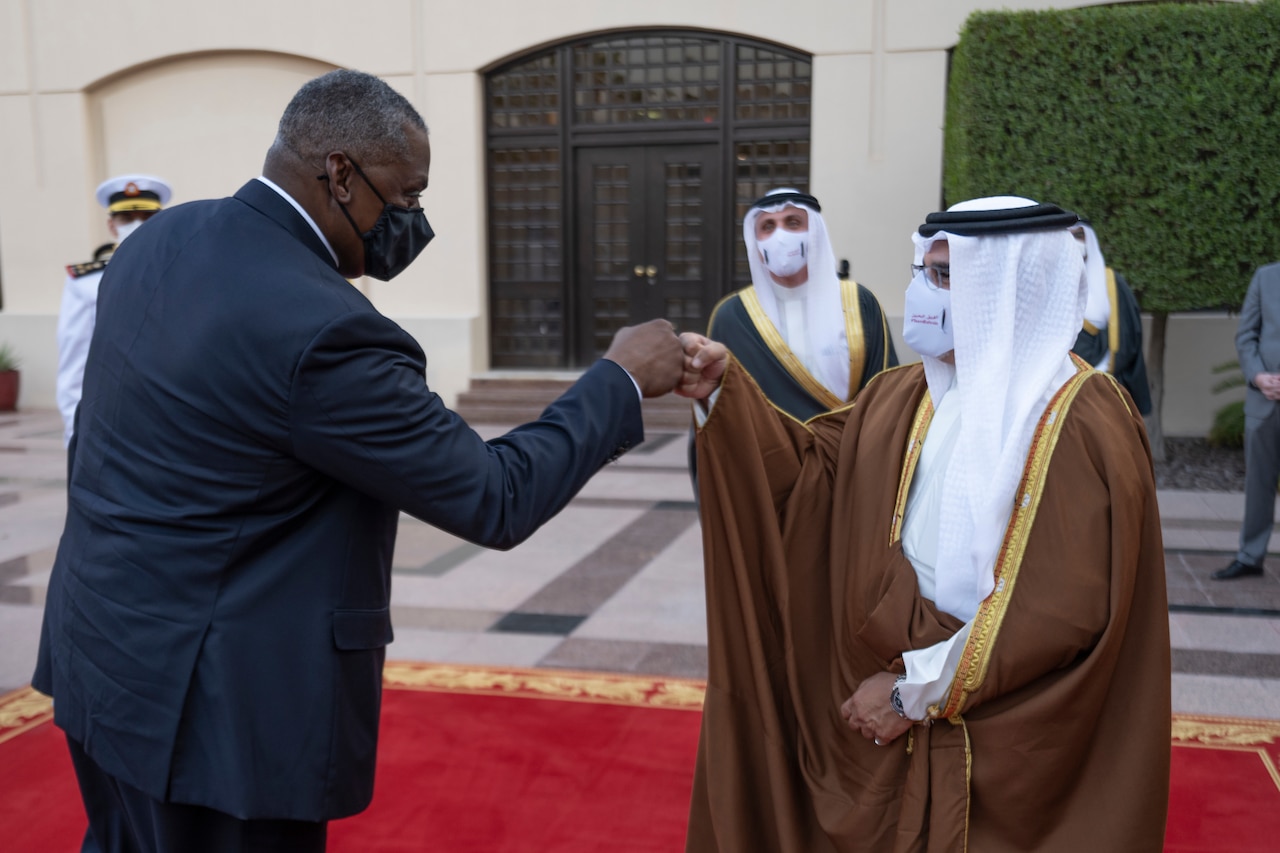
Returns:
(1158,122)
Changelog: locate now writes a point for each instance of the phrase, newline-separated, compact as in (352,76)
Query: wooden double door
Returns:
(649,223)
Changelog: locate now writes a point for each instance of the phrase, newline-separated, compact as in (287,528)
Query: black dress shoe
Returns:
(1237,569)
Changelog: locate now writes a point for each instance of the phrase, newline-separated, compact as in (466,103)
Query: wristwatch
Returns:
(895,698)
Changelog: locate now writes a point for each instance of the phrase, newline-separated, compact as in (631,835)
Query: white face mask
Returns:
(926,326)
(785,253)
(124,229)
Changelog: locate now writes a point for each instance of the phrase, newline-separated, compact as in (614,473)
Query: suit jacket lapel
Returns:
(268,202)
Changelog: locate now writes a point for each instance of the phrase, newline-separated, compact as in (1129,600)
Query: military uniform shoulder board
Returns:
(79,270)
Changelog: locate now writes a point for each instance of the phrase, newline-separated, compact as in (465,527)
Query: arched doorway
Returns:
(619,168)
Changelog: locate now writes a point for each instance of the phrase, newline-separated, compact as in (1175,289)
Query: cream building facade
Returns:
(191,91)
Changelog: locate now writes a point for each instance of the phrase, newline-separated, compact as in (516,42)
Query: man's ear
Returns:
(338,167)
(111,226)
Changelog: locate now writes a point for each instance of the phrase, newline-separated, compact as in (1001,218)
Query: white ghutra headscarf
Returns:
(1017,301)
(827,348)
(1097,309)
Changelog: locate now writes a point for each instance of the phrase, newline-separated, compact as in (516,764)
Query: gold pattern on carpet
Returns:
(25,708)
(22,710)
(608,688)
(1260,737)
(1224,731)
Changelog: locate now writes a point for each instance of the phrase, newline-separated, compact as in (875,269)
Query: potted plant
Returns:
(8,379)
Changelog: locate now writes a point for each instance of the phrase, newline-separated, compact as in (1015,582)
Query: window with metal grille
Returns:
(526,270)
(645,79)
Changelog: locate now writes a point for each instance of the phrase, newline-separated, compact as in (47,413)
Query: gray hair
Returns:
(348,111)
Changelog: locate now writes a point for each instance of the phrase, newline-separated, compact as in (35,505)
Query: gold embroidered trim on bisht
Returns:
(751,379)
(915,442)
(976,656)
(1115,386)
(968,780)
(884,341)
(711,321)
(853,334)
(1113,325)
(773,340)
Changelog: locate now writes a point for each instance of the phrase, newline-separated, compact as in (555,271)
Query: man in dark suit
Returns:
(1258,345)
(250,429)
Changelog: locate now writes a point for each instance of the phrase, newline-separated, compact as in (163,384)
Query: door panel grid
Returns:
(647,248)
(526,259)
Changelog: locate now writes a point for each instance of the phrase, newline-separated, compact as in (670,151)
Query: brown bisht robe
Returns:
(1056,733)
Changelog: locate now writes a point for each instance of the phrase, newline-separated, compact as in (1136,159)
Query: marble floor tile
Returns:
(419,545)
(636,483)
(32,523)
(594,579)
(1217,506)
(502,580)
(1227,696)
(19,640)
(654,610)
(419,644)
(665,602)
(684,661)
(663,659)
(444,619)
(679,560)
(604,655)
(1236,664)
(1246,634)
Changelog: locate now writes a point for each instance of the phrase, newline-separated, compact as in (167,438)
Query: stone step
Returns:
(514,400)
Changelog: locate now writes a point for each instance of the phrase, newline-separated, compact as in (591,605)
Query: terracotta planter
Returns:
(9,390)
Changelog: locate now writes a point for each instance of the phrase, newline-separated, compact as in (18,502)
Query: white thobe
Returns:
(75,329)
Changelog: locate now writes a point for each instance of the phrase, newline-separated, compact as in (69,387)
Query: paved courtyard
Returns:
(615,581)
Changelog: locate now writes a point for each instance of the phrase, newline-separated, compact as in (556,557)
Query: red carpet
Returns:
(519,760)
(1225,791)
(538,760)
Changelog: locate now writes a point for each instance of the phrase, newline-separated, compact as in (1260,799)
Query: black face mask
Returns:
(399,235)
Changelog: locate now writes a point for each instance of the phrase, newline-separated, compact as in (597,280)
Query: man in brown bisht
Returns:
(937,616)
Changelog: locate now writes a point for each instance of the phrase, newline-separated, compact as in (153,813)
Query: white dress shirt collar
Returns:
(316,228)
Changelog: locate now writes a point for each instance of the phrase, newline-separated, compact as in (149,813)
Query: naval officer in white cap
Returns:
(130,200)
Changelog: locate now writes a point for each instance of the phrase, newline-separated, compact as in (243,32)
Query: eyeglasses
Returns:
(935,277)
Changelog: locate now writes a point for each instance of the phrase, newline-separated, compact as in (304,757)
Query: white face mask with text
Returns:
(926,324)
(124,229)
(785,253)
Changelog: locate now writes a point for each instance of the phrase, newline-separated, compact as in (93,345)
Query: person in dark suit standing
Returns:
(249,431)
(1258,345)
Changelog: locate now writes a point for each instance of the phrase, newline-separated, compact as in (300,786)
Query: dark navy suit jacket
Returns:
(250,429)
